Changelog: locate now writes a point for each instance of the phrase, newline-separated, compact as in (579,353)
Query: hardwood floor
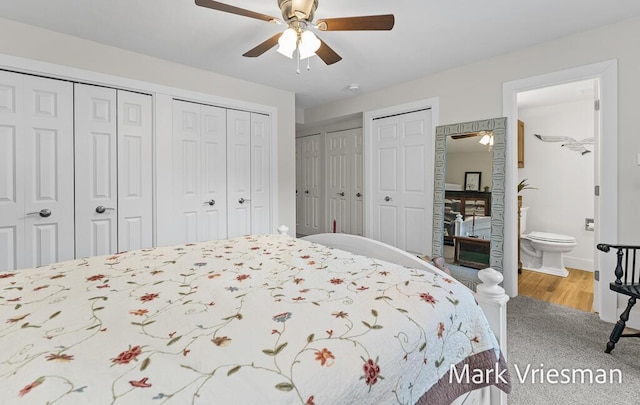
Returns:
(575,290)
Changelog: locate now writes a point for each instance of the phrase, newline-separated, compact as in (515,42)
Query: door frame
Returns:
(606,215)
(367,134)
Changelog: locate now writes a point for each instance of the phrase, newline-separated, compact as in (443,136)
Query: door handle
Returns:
(242,201)
(387,198)
(100,209)
(306,191)
(358,194)
(341,194)
(211,202)
(44,213)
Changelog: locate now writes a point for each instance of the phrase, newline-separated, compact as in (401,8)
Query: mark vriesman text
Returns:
(477,375)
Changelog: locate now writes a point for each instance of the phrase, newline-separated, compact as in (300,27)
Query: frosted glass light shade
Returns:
(287,42)
(309,44)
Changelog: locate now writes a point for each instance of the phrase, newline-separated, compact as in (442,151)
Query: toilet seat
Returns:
(551,237)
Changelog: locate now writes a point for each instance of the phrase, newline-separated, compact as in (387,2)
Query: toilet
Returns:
(542,251)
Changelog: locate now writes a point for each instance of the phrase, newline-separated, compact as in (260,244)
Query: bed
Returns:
(256,319)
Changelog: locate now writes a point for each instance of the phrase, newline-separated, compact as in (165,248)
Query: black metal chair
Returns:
(627,283)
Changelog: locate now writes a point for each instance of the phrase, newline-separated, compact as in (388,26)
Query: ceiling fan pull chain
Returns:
(308,64)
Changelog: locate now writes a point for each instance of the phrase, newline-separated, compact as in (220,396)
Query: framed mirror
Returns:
(497,128)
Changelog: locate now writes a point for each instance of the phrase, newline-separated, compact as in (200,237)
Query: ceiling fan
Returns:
(298,15)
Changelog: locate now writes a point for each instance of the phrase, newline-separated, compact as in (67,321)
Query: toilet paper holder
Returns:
(589,225)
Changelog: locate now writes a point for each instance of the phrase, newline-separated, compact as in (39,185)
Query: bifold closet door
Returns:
(96,171)
(113,190)
(402,189)
(135,171)
(36,171)
(199,140)
(248,173)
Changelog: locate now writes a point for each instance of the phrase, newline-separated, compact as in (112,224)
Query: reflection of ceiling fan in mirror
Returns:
(298,15)
(467,135)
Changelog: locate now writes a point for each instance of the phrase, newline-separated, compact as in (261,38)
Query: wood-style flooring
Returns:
(575,290)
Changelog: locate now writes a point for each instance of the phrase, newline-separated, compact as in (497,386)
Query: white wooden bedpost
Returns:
(493,301)
(283,229)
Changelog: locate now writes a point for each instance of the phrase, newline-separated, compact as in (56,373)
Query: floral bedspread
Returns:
(263,319)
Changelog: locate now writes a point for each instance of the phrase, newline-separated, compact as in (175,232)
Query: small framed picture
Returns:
(472,181)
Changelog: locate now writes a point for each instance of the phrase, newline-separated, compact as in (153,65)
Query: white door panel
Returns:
(12,207)
(299,207)
(403,186)
(36,171)
(135,204)
(48,161)
(310,184)
(357,184)
(186,143)
(199,139)
(239,172)
(260,174)
(214,169)
(338,185)
(96,171)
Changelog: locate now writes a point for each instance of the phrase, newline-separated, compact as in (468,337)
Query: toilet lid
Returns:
(551,237)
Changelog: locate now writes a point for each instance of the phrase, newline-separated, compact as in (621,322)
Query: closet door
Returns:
(135,201)
(338,181)
(402,188)
(96,171)
(311,184)
(357,183)
(239,172)
(199,139)
(260,174)
(36,171)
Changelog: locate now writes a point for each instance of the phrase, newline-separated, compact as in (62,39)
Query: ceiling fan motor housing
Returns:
(304,9)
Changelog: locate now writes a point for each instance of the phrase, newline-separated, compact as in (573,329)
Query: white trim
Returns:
(162,96)
(430,103)
(607,227)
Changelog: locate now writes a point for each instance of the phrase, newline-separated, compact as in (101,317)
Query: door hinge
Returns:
(596,191)
(596,275)
(596,105)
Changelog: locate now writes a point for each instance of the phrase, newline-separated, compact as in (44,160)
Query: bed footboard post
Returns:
(283,229)
(493,301)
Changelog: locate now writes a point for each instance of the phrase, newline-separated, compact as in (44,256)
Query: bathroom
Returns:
(560,199)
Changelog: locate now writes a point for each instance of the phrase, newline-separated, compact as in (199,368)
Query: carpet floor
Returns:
(567,346)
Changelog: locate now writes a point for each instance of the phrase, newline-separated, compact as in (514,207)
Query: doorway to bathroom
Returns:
(604,193)
(557,134)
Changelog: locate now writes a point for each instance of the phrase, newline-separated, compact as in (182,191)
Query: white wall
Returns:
(474,92)
(41,45)
(564,178)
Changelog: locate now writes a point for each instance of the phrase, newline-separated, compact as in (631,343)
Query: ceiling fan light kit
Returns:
(298,15)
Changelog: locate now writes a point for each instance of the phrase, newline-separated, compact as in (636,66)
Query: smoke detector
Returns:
(353,87)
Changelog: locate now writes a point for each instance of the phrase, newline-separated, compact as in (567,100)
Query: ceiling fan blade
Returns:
(216,5)
(462,136)
(328,55)
(363,23)
(263,47)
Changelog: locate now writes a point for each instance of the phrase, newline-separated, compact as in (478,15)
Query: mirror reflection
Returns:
(468,216)
(467,201)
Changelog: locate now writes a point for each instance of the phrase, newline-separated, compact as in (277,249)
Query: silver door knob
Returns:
(306,191)
(358,194)
(211,202)
(242,201)
(45,212)
(341,194)
(100,209)
(387,198)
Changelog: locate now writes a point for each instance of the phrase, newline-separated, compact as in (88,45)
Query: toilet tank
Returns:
(523,219)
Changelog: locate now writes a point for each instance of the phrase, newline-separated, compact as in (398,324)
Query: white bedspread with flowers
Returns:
(263,319)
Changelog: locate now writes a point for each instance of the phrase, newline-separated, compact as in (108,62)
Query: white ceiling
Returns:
(428,36)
